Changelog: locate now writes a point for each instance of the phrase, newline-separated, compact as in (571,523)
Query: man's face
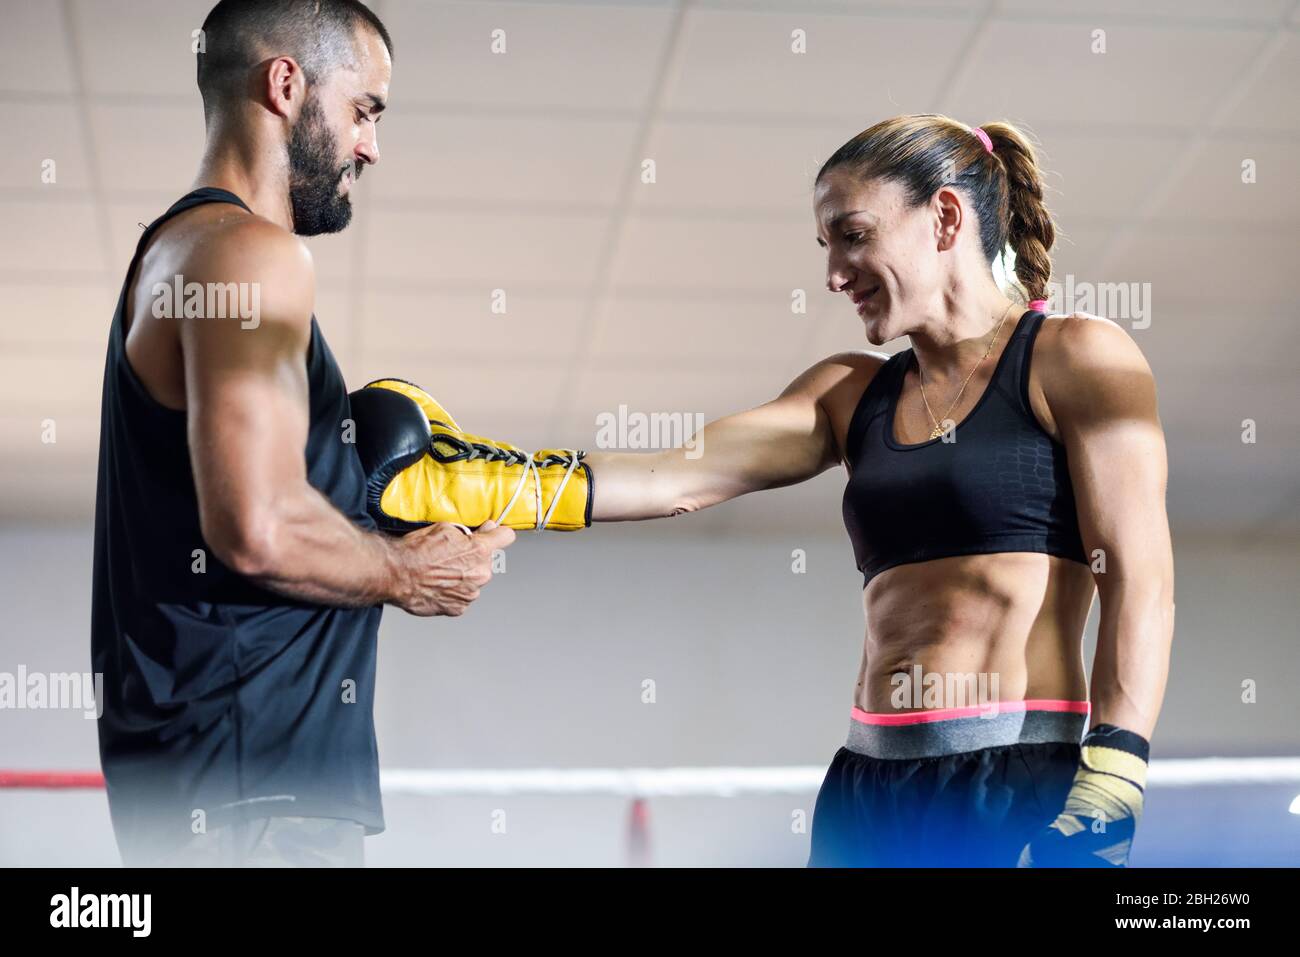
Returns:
(334,138)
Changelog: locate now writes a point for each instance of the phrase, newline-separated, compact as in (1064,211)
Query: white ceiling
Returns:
(521,172)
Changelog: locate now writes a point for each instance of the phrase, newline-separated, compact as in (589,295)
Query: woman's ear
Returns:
(949,215)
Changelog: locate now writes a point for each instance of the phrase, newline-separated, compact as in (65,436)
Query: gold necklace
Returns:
(938,429)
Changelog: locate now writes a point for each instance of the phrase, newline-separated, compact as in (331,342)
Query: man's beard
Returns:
(315,174)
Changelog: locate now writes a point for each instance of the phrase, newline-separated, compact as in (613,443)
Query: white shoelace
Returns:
(530,467)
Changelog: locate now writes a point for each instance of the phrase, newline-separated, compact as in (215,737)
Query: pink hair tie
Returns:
(1038,305)
(984,138)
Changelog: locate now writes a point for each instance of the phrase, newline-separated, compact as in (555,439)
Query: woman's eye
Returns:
(852,238)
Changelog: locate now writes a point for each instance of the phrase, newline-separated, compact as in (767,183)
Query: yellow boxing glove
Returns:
(421,468)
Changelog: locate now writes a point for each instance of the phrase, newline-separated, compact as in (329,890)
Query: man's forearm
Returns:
(311,551)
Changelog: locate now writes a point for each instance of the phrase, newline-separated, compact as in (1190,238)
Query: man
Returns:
(238,581)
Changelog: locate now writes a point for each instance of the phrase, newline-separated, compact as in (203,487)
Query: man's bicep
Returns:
(248,413)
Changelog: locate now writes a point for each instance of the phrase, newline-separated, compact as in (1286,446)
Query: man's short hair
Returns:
(319,34)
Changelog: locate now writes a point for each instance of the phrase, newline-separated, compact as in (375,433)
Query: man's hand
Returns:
(441,568)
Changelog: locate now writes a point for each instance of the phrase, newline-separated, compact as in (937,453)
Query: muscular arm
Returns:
(1103,397)
(248,415)
(782,442)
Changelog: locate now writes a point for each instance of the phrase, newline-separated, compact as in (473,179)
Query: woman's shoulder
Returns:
(843,376)
(1080,341)
(1083,362)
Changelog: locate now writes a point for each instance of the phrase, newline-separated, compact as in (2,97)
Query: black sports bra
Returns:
(1001,484)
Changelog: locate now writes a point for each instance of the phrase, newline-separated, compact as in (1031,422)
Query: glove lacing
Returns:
(469,451)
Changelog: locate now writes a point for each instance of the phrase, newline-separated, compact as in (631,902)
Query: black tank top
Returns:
(1002,485)
(221,697)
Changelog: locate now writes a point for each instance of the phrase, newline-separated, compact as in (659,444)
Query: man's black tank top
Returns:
(1001,485)
(223,700)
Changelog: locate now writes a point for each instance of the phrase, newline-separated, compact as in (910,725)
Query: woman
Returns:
(1002,470)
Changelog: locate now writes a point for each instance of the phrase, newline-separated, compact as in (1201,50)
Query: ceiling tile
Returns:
(1189,337)
(34,49)
(1179,261)
(147,147)
(752,166)
(703,331)
(721,253)
(51,385)
(460,247)
(56,236)
(52,317)
(140,46)
(527,160)
(1103,174)
(667,390)
(576,57)
(51,131)
(1142,79)
(462,328)
(1212,189)
(1270,104)
(856,68)
(1240,11)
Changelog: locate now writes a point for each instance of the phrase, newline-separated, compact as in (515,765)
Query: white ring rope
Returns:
(731,782)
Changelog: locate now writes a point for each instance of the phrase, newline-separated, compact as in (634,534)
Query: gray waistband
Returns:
(934,739)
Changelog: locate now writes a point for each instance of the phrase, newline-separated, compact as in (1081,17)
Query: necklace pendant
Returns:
(936,432)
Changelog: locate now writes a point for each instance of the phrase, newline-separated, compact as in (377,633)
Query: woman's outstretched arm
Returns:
(782,442)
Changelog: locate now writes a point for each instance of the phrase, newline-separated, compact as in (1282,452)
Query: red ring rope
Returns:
(52,780)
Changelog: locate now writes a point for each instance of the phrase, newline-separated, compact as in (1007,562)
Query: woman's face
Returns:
(881,253)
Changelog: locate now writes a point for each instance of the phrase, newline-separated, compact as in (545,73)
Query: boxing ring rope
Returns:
(685,781)
(637,785)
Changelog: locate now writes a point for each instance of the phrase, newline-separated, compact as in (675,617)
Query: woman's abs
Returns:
(970,630)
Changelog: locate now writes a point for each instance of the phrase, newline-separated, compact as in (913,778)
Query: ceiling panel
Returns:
(529,161)
(51,131)
(53,317)
(51,237)
(463,329)
(708,165)
(717,253)
(461,247)
(742,62)
(1142,79)
(146,147)
(576,57)
(1104,175)
(1212,189)
(140,47)
(1209,12)
(34,49)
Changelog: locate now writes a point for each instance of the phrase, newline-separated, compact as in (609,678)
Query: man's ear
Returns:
(286,87)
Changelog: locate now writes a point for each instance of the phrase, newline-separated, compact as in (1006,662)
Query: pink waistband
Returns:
(974,711)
